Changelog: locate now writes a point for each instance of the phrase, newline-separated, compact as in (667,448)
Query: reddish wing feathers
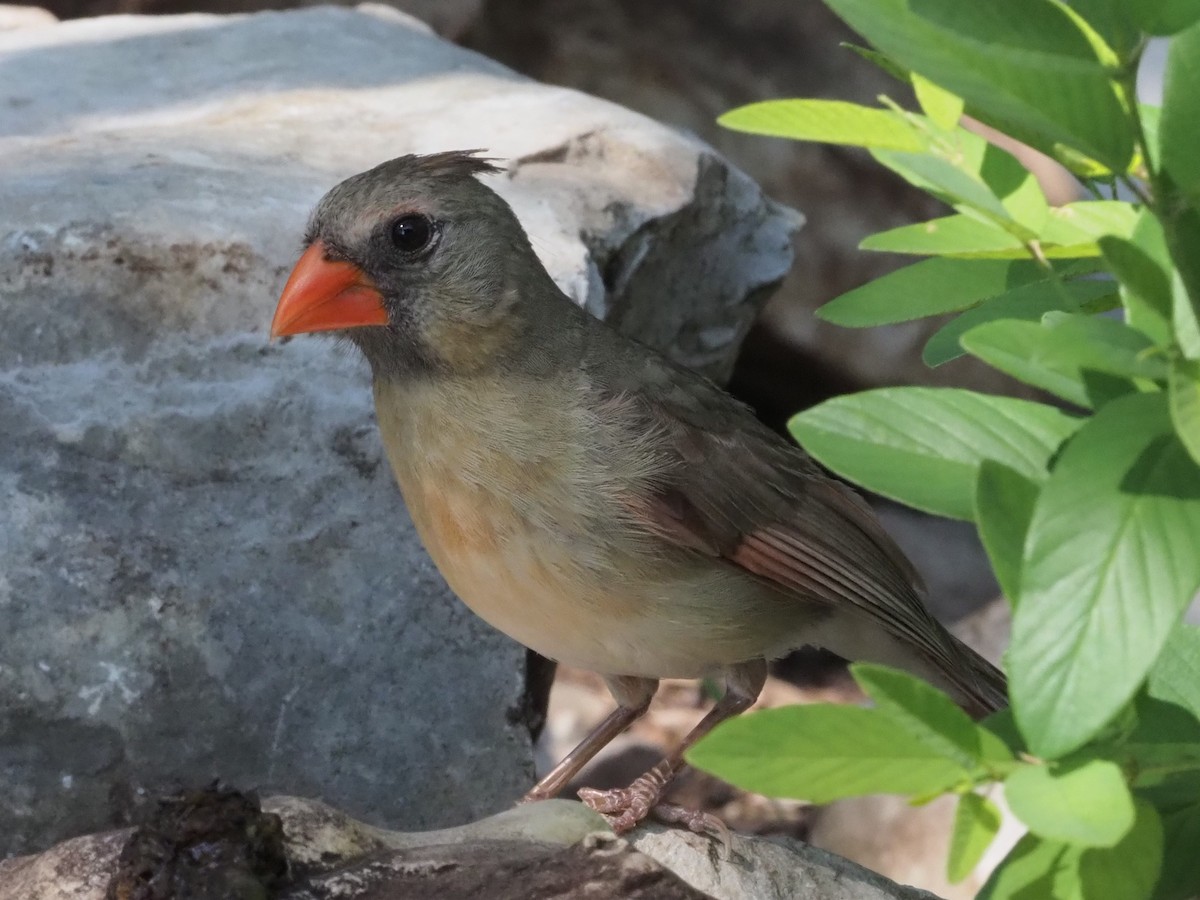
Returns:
(739,492)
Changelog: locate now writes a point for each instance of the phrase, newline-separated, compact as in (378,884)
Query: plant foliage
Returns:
(1089,509)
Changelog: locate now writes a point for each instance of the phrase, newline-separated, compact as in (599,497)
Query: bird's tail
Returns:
(982,687)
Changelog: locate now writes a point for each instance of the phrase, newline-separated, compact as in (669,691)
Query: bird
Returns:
(582,493)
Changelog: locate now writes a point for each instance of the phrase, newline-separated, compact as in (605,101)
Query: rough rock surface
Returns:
(557,849)
(205,569)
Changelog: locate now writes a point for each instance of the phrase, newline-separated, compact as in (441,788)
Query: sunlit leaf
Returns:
(976,823)
(1110,564)
(828,121)
(1184,392)
(939,285)
(924,446)
(1004,500)
(1087,804)
(822,753)
(942,107)
(1002,59)
(1028,304)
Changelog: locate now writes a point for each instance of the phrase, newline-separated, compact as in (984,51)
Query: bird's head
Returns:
(415,261)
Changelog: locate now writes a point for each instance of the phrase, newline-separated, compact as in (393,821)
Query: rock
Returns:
(13,17)
(765,869)
(205,568)
(504,870)
(556,849)
(197,186)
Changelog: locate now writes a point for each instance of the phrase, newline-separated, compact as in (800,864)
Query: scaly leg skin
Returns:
(633,696)
(625,807)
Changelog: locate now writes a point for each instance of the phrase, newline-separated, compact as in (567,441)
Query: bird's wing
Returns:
(731,488)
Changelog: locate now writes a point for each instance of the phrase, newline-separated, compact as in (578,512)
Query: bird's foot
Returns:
(624,808)
(697,821)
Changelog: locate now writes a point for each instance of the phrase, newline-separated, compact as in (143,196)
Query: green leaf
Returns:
(1070,232)
(877,59)
(1004,500)
(1175,677)
(923,446)
(1112,19)
(822,753)
(1128,870)
(1035,870)
(1183,385)
(1110,564)
(1027,303)
(1151,117)
(1082,223)
(936,286)
(1142,265)
(1003,727)
(1000,58)
(959,235)
(976,823)
(942,107)
(1179,127)
(1162,750)
(946,181)
(1183,319)
(1087,804)
(1057,355)
(976,177)
(1038,869)
(1019,349)
(1165,17)
(1178,805)
(828,121)
(925,712)
(1180,877)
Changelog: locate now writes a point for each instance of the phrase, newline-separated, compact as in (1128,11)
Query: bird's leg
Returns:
(625,807)
(633,696)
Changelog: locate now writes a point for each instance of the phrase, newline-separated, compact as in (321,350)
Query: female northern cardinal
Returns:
(581,492)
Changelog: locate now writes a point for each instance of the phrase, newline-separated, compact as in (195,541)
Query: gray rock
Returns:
(562,845)
(765,869)
(205,568)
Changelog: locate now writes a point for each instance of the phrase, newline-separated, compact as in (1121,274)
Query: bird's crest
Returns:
(451,162)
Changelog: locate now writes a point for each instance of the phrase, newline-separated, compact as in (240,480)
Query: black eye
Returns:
(413,233)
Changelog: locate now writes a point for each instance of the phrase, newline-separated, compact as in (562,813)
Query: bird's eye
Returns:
(413,233)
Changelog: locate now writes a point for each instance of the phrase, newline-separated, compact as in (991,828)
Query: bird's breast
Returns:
(524,522)
(501,493)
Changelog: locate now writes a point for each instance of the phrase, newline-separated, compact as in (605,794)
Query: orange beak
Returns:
(322,295)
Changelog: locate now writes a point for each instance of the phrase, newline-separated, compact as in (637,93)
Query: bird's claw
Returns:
(624,808)
(696,820)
